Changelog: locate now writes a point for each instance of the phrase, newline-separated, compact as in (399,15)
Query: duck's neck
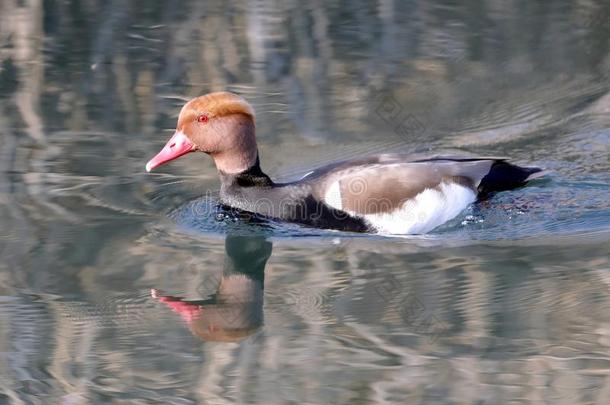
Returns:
(251,177)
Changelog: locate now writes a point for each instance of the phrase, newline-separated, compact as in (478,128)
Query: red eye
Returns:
(202,118)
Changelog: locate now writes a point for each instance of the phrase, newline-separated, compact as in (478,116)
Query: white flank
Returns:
(424,212)
(333,196)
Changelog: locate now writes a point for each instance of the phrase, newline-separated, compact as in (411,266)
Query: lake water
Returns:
(118,286)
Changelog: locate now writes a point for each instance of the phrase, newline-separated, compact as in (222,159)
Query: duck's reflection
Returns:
(236,309)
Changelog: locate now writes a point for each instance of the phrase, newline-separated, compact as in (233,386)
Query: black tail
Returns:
(505,176)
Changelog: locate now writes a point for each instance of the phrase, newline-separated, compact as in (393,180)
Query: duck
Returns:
(389,193)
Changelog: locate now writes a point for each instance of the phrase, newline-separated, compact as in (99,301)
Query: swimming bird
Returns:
(387,193)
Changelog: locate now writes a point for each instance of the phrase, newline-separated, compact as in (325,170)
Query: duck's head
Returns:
(220,124)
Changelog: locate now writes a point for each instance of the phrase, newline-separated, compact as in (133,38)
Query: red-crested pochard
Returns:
(388,193)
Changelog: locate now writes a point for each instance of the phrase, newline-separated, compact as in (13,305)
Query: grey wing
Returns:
(382,187)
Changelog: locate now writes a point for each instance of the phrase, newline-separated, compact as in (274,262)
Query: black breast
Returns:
(253,192)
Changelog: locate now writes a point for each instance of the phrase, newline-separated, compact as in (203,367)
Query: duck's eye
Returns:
(203,118)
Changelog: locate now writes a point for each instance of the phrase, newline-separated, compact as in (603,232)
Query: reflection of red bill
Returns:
(187,311)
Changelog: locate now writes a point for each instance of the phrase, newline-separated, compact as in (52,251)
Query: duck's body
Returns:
(390,193)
